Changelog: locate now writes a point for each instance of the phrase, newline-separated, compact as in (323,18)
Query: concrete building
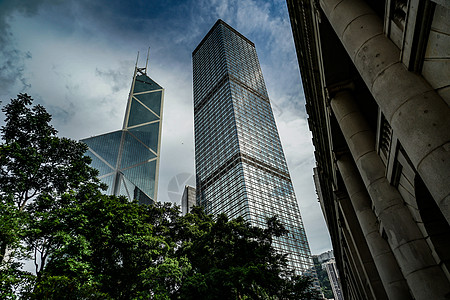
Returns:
(333,276)
(376,76)
(325,256)
(240,165)
(128,159)
(188,200)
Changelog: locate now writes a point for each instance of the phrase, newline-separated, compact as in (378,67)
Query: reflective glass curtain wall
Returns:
(128,159)
(240,166)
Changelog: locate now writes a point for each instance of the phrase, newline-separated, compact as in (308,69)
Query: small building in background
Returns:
(326,256)
(188,199)
(333,276)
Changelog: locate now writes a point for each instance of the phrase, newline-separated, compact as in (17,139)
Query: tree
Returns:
(121,250)
(34,160)
(87,245)
(37,170)
(112,248)
(230,259)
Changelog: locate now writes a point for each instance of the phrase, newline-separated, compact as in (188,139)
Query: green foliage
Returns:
(34,160)
(231,259)
(87,245)
(131,251)
(38,173)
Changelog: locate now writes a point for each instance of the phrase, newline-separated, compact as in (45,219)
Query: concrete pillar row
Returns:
(417,114)
(425,278)
(392,278)
(360,252)
(357,269)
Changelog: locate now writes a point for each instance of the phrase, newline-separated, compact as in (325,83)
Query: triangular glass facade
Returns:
(128,159)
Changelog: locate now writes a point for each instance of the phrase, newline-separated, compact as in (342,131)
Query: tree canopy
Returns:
(87,245)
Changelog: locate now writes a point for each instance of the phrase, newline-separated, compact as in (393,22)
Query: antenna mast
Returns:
(146,63)
(143,71)
(137,59)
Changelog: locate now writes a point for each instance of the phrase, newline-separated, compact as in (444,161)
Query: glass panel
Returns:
(108,180)
(96,163)
(134,152)
(130,186)
(148,134)
(106,146)
(123,190)
(142,197)
(144,83)
(137,193)
(143,177)
(139,114)
(152,101)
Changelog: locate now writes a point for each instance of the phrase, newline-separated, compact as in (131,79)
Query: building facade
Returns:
(188,200)
(128,159)
(376,77)
(333,276)
(240,165)
(323,257)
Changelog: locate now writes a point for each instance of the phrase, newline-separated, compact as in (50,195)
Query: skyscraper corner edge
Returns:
(218,22)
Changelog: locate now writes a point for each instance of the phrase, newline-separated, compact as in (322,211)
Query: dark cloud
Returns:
(12,60)
(12,69)
(61,115)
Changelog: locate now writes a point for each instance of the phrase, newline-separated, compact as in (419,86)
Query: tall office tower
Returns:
(240,165)
(128,159)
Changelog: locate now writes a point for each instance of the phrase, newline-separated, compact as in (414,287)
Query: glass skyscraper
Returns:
(128,159)
(240,165)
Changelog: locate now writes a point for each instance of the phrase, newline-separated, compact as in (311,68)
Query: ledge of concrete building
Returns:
(417,114)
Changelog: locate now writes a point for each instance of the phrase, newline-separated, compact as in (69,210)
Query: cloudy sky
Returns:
(77,59)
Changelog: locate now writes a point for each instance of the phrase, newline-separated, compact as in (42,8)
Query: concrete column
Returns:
(354,265)
(393,281)
(426,280)
(417,114)
(355,289)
